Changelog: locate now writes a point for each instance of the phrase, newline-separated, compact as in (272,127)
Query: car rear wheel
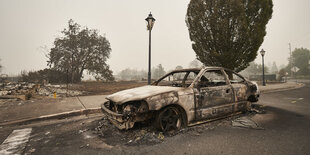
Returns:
(170,118)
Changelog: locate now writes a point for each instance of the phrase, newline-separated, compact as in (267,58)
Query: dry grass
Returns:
(105,88)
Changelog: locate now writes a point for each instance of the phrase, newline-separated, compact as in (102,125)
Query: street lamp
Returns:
(150,23)
(262,52)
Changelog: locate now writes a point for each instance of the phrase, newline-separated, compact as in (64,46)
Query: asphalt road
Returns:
(286,124)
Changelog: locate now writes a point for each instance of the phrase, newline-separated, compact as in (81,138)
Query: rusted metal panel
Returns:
(158,101)
(241,92)
(216,96)
(140,93)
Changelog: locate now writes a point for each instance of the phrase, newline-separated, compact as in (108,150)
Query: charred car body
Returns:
(182,97)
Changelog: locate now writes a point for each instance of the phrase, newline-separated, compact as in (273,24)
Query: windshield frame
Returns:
(187,71)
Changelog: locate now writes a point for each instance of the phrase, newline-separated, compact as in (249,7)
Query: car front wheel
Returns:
(168,119)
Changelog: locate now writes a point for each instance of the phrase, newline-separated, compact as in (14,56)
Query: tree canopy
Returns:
(81,49)
(178,67)
(227,33)
(274,68)
(158,71)
(255,69)
(132,74)
(301,59)
(195,64)
(0,67)
(48,75)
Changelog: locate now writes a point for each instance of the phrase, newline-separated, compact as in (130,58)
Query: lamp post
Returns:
(262,52)
(150,23)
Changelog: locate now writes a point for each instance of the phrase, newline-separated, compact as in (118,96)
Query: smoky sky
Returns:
(29,27)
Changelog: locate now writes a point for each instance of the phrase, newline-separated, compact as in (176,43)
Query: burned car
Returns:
(182,97)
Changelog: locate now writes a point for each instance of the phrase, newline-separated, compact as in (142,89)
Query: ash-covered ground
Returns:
(146,134)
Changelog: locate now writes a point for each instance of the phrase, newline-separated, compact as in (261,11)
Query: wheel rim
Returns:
(170,119)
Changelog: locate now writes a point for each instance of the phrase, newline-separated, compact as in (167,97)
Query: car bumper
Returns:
(119,120)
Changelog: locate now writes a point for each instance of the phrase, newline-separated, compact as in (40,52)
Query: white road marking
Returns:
(293,98)
(15,142)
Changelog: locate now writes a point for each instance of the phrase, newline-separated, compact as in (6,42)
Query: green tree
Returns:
(260,69)
(274,68)
(195,64)
(81,49)
(48,75)
(0,67)
(178,67)
(132,74)
(301,58)
(125,74)
(158,72)
(227,33)
(254,69)
(282,74)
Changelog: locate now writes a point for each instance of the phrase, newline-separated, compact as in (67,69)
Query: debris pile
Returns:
(146,134)
(25,91)
(141,135)
(61,90)
(15,88)
(246,122)
(21,90)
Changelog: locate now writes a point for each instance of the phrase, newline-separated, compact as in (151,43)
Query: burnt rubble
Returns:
(25,91)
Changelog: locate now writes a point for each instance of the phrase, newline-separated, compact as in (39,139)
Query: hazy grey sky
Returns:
(28,25)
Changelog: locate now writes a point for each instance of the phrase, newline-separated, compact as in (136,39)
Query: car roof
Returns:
(187,69)
(196,69)
(213,67)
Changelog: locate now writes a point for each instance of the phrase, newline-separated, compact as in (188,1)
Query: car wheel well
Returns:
(181,109)
(253,98)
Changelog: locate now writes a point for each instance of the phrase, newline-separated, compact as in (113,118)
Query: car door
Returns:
(214,96)
(240,89)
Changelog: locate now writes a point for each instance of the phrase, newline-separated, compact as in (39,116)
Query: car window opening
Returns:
(178,79)
(212,78)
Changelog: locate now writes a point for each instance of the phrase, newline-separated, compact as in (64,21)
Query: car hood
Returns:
(140,93)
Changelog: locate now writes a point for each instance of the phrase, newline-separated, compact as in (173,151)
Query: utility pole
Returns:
(290,59)
(72,73)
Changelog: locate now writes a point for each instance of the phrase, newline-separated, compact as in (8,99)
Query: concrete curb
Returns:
(54,116)
(300,85)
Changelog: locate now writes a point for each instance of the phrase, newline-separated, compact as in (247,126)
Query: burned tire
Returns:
(169,118)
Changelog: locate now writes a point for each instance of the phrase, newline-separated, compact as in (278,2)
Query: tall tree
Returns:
(0,67)
(301,59)
(178,67)
(254,69)
(260,68)
(132,74)
(227,33)
(158,72)
(195,64)
(274,68)
(81,49)
(282,73)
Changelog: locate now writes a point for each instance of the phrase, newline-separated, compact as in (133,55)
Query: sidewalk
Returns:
(33,110)
(279,87)
(23,111)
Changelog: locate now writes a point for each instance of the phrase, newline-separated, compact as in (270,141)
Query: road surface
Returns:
(285,123)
